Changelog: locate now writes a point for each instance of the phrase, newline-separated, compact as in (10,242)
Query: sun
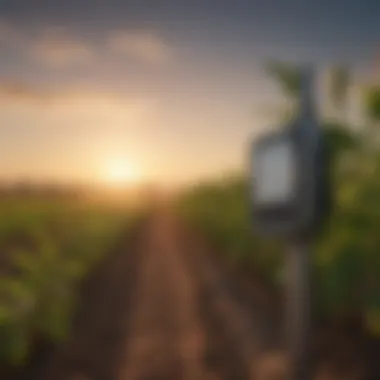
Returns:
(121,173)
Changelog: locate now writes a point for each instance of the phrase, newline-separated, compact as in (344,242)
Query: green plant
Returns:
(49,247)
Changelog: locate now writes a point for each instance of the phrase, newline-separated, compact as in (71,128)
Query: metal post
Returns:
(298,326)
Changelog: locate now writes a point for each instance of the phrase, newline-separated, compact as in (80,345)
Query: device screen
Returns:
(274,167)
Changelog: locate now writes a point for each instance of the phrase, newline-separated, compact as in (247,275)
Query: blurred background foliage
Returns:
(46,249)
(347,257)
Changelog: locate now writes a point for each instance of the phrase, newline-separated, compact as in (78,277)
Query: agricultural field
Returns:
(346,260)
(47,246)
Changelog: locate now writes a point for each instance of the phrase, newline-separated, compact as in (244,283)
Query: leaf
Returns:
(372,321)
(372,103)
(287,76)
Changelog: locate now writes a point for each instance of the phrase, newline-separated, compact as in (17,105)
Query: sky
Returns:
(172,89)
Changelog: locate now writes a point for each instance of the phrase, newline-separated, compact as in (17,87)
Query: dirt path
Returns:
(165,340)
(162,309)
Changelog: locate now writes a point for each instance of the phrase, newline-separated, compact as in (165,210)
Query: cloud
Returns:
(58,49)
(18,90)
(146,46)
(61,53)
(51,46)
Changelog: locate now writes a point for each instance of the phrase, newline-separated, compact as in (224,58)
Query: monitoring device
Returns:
(289,179)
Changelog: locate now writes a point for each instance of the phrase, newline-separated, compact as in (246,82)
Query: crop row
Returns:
(46,248)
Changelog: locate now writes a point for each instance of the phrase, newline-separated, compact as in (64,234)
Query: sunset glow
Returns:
(121,173)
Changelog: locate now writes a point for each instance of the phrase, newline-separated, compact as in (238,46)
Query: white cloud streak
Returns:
(61,52)
(56,47)
(145,46)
